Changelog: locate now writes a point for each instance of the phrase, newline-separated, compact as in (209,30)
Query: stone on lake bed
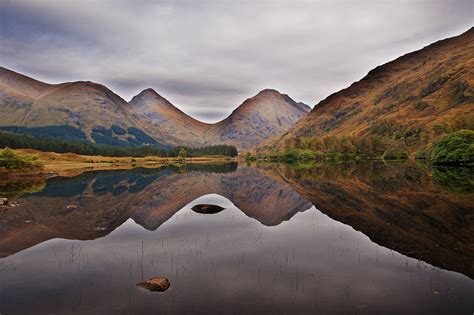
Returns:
(207,209)
(158,284)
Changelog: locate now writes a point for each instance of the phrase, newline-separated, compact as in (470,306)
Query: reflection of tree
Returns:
(15,187)
(458,180)
(209,168)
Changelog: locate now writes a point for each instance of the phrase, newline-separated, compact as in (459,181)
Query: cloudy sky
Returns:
(206,57)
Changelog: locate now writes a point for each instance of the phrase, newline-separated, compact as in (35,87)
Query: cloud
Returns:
(209,56)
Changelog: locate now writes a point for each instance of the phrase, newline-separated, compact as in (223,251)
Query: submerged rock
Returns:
(207,209)
(3,201)
(158,284)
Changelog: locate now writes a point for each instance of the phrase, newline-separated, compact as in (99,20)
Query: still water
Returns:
(364,238)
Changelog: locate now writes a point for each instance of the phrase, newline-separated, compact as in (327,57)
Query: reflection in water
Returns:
(15,187)
(229,262)
(398,206)
(459,180)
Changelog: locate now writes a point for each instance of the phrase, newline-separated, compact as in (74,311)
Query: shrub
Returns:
(423,154)
(421,105)
(395,155)
(456,147)
(460,93)
(433,85)
(399,91)
(13,161)
(299,154)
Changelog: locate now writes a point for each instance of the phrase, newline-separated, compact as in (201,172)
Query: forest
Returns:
(18,141)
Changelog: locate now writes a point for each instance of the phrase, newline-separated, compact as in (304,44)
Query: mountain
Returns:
(264,115)
(165,121)
(88,111)
(83,111)
(411,100)
(257,118)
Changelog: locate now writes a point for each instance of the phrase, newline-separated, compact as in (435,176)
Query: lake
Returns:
(350,238)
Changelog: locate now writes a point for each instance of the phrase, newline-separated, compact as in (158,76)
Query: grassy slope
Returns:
(421,94)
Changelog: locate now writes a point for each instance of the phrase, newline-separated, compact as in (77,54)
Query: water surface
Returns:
(349,238)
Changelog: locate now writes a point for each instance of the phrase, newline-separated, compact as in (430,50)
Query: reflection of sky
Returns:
(227,261)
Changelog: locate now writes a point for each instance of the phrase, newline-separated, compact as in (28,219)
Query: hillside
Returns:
(88,111)
(83,111)
(165,121)
(266,114)
(409,101)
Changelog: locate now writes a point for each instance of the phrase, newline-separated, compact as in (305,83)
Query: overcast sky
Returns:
(206,57)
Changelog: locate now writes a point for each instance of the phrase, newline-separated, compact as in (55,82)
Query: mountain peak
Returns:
(149,93)
(275,94)
(150,96)
(22,83)
(267,92)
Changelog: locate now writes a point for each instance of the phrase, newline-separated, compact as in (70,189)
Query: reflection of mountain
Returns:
(399,207)
(93,204)
(403,207)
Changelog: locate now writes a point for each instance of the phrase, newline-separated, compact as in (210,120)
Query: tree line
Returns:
(19,141)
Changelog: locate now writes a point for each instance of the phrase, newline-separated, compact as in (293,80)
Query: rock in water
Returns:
(207,209)
(158,284)
(3,201)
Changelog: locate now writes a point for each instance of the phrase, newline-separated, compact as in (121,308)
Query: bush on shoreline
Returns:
(454,148)
(395,155)
(10,160)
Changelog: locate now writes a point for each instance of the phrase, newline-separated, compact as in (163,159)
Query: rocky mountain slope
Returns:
(88,111)
(412,99)
(165,121)
(262,116)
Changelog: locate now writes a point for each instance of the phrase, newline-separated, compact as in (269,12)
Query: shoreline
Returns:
(69,164)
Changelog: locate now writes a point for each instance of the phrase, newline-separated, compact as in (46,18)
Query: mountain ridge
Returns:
(101,115)
(410,100)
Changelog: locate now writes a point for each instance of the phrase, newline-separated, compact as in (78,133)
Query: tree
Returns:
(183,153)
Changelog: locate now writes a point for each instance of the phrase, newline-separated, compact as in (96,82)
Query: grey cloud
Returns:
(209,56)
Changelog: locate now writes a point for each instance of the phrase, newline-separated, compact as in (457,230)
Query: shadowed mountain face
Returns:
(412,99)
(87,111)
(423,214)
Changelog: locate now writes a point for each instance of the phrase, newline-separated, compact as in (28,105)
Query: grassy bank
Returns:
(319,156)
(69,164)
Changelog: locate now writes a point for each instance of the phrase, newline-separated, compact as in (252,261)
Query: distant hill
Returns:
(91,112)
(410,100)
(70,111)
